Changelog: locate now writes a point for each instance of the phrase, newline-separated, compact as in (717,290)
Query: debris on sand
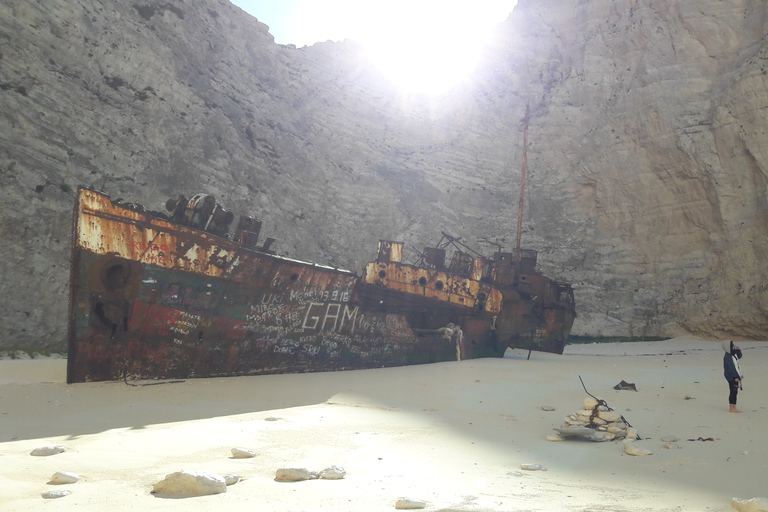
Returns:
(191,483)
(45,451)
(64,477)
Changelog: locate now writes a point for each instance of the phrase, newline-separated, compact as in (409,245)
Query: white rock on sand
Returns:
(242,453)
(294,474)
(191,483)
(64,477)
(332,473)
(45,451)
(631,449)
(409,504)
(52,495)
(231,479)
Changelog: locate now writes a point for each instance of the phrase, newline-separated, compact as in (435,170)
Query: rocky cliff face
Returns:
(647,148)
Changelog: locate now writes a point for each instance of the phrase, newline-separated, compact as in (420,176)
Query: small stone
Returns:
(64,477)
(669,439)
(242,453)
(547,408)
(294,474)
(609,416)
(532,467)
(752,505)
(631,433)
(631,449)
(590,403)
(672,446)
(191,483)
(52,495)
(44,451)
(409,504)
(587,433)
(554,437)
(271,418)
(332,473)
(600,436)
(231,479)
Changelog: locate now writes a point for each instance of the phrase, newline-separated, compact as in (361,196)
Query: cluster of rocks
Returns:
(191,483)
(203,483)
(597,422)
(299,474)
(58,478)
(594,422)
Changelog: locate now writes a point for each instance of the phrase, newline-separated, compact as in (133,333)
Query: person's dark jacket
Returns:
(729,368)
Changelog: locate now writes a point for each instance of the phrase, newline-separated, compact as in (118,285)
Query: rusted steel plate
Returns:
(434,284)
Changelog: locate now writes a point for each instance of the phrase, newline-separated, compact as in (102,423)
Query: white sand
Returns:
(451,434)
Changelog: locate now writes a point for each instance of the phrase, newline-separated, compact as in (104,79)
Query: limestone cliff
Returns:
(647,150)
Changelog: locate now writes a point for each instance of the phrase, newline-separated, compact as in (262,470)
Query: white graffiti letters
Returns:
(318,311)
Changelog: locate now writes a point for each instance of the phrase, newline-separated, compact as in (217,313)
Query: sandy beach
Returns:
(453,435)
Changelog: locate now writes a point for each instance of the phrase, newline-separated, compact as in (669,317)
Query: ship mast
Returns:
(522,184)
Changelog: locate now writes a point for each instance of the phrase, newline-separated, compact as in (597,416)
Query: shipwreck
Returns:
(173,295)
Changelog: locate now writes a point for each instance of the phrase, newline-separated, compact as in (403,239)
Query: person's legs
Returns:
(734,386)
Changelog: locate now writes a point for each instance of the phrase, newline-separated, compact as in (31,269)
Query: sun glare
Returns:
(425,46)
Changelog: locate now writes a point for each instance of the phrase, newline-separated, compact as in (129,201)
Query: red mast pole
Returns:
(522,184)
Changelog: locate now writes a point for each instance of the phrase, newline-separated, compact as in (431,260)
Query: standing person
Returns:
(732,371)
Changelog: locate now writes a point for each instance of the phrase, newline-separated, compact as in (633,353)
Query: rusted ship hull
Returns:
(152,298)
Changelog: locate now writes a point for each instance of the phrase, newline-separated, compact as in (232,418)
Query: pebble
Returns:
(231,479)
(242,453)
(609,416)
(532,467)
(332,473)
(672,446)
(52,495)
(409,504)
(271,418)
(294,474)
(669,439)
(191,483)
(590,403)
(64,477)
(547,408)
(631,449)
(44,451)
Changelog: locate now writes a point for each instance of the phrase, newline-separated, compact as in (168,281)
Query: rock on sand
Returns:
(191,483)
(242,453)
(409,504)
(64,477)
(294,474)
(44,451)
(631,449)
